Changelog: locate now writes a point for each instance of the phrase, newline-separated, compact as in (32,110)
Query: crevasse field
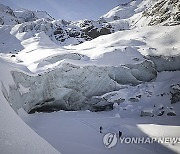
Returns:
(63,80)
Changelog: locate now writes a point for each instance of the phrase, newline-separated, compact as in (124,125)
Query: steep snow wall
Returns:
(71,87)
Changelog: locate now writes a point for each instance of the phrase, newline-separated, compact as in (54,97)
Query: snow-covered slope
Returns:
(127,15)
(80,131)
(96,67)
(120,64)
(140,13)
(108,62)
(26,15)
(13,17)
(7,16)
(164,12)
(17,137)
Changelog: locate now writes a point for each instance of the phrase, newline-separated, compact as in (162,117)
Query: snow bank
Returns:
(15,135)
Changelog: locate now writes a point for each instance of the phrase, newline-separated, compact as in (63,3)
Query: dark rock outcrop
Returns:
(175,93)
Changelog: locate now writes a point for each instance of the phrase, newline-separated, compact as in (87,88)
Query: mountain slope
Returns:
(164,12)
(119,64)
(121,58)
(123,17)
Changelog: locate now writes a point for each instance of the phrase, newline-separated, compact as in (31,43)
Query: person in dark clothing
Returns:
(119,134)
(100,129)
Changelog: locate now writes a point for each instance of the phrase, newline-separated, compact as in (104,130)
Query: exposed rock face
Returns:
(171,113)
(7,10)
(133,99)
(164,12)
(93,33)
(7,16)
(1,21)
(60,31)
(66,32)
(175,93)
(93,30)
(161,113)
(75,32)
(147,112)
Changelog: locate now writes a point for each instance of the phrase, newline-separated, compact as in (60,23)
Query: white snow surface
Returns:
(78,132)
(16,136)
(132,71)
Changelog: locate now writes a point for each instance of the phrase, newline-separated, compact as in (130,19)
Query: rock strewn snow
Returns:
(164,12)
